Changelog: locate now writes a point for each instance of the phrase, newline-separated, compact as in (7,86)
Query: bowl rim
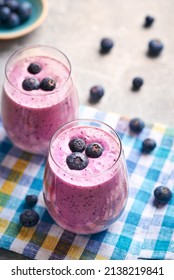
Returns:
(30,28)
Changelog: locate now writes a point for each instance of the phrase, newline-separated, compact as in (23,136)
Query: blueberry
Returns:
(77,161)
(137,83)
(13,20)
(2,3)
(148,145)
(25,10)
(12,4)
(106,45)
(96,93)
(47,84)
(136,125)
(148,21)
(77,145)
(162,194)
(29,218)
(155,47)
(31,200)
(34,68)
(94,150)
(4,13)
(30,84)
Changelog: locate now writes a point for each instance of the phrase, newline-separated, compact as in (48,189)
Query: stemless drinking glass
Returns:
(38,96)
(83,192)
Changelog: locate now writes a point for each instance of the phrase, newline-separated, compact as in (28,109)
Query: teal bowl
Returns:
(39,13)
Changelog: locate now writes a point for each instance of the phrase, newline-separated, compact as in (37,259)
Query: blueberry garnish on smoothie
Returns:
(47,84)
(77,161)
(29,218)
(77,145)
(30,84)
(34,68)
(94,150)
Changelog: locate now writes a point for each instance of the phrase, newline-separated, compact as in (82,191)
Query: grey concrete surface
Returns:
(77,26)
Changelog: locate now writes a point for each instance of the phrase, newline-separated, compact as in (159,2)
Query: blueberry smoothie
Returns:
(38,97)
(85,180)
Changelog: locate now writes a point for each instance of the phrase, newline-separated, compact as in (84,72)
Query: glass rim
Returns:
(86,120)
(34,47)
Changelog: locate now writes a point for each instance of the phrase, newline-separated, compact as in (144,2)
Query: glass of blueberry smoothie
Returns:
(38,96)
(85,181)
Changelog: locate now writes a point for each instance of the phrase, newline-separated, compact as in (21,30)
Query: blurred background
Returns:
(77,27)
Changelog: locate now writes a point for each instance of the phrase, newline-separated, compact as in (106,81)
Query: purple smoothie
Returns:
(31,117)
(89,200)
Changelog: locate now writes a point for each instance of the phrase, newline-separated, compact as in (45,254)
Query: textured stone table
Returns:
(76,27)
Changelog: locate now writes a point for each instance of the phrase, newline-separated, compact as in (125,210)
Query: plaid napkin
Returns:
(142,231)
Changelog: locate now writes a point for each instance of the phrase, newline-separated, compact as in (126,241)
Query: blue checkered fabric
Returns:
(142,231)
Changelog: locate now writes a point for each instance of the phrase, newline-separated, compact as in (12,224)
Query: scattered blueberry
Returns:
(77,145)
(106,45)
(47,84)
(148,145)
(136,125)
(155,47)
(162,194)
(4,13)
(96,93)
(77,161)
(30,84)
(137,83)
(13,20)
(31,200)
(29,218)
(34,68)
(25,10)
(148,21)
(94,150)
(2,3)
